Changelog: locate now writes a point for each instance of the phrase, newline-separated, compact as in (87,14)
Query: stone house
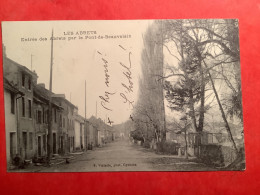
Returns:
(11,95)
(24,80)
(41,111)
(66,125)
(79,132)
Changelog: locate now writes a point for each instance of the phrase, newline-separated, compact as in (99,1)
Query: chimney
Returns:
(59,95)
(41,85)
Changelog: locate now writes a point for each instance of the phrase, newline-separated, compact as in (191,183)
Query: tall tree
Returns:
(190,86)
(149,108)
(213,42)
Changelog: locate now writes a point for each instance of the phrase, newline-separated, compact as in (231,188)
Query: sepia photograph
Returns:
(123,95)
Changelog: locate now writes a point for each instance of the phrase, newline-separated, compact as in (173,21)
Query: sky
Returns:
(105,64)
(110,67)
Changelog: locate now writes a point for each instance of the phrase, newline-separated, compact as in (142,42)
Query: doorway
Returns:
(12,145)
(54,143)
(25,145)
(39,146)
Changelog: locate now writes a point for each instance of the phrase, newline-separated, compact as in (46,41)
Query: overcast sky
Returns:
(78,60)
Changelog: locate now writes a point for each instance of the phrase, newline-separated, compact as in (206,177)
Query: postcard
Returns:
(123,95)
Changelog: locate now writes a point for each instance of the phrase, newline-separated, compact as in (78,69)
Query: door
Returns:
(24,145)
(54,143)
(61,144)
(44,144)
(12,145)
(68,144)
(39,146)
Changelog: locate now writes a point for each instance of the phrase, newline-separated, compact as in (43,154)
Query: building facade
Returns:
(11,94)
(79,133)
(66,124)
(27,118)
(24,80)
(41,111)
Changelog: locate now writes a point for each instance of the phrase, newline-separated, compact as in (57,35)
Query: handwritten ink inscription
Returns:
(105,99)
(128,87)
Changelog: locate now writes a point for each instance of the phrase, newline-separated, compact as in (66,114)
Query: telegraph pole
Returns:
(50,138)
(85,121)
(85,101)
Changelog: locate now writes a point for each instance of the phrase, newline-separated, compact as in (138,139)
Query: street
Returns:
(121,156)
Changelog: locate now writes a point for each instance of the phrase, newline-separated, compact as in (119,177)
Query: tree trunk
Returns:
(202,93)
(191,100)
(222,111)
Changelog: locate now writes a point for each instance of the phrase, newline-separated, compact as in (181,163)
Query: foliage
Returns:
(149,114)
(168,147)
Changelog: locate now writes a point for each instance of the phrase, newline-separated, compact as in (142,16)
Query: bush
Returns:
(146,144)
(168,147)
(211,154)
(137,135)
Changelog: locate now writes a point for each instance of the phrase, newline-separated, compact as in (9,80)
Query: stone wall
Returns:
(213,154)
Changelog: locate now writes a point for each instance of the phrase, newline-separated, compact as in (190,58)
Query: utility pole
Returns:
(50,138)
(85,101)
(85,121)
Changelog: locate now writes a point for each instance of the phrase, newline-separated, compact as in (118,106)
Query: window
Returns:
(47,116)
(31,140)
(23,80)
(43,115)
(12,103)
(29,84)
(30,108)
(55,115)
(63,122)
(23,107)
(39,118)
(44,142)
(60,122)
(12,145)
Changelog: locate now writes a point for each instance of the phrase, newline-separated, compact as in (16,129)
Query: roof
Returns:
(41,91)
(24,68)
(80,118)
(67,101)
(44,94)
(10,87)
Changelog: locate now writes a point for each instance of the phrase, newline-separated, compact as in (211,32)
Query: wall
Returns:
(77,134)
(10,125)
(41,129)
(91,138)
(214,154)
(25,125)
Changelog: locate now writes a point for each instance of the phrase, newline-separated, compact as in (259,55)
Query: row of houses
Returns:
(27,118)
